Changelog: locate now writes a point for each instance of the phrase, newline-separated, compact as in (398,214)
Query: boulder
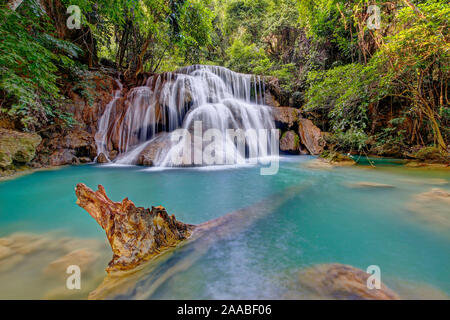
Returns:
(311,136)
(338,281)
(63,157)
(113,155)
(102,158)
(135,234)
(17,147)
(285,117)
(290,142)
(148,156)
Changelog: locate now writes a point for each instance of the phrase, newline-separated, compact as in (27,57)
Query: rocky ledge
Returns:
(135,234)
(17,149)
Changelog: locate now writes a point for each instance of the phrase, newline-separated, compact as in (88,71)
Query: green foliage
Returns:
(247,58)
(330,21)
(30,58)
(344,93)
(244,18)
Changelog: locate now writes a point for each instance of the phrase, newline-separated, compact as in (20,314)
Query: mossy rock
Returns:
(336,157)
(17,147)
(431,154)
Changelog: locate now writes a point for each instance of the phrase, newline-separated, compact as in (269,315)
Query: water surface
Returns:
(330,221)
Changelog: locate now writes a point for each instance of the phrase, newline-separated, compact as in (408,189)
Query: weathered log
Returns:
(153,274)
(135,234)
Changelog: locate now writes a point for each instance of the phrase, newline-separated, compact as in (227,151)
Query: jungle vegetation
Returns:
(375,90)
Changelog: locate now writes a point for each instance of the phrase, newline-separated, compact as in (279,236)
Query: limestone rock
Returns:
(149,154)
(290,142)
(135,234)
(62,157)
(102,158)
(311,136)
(285,117)
(17,147)
(338,281)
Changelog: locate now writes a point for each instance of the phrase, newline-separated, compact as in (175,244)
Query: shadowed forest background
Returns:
(374,91)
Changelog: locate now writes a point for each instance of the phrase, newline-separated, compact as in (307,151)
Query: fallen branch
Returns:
(135,234)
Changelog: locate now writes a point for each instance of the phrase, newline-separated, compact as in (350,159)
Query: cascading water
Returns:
(101,138)
(212,96)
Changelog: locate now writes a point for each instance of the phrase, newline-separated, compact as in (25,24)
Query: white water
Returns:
(219,98)
(101,137)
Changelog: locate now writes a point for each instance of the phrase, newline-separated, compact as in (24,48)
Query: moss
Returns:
(334,156)
(17,147)
(431,154)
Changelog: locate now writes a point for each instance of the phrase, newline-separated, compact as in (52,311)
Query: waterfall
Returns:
(212,96)
(101,137)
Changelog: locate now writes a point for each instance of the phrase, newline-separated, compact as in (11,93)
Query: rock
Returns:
(113,155)
(85,160)
(102,158)
(432,208)
(270,100)
(432,181)
(81,257)
(285,117)
(24,243)
(17,147)
(135,234)
(81,141)
(365,184)
(75,143)
(148,156)
(11,262)
(432,154)
(5,252)
(337,159)
(311,136)
(318,164)
(338,281)
(63,157)
(290,142)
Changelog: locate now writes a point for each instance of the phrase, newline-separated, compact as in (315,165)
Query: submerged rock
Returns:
(82,257)
(338,281)
(367,184)
(135,234)
(34,266)
(432,207)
